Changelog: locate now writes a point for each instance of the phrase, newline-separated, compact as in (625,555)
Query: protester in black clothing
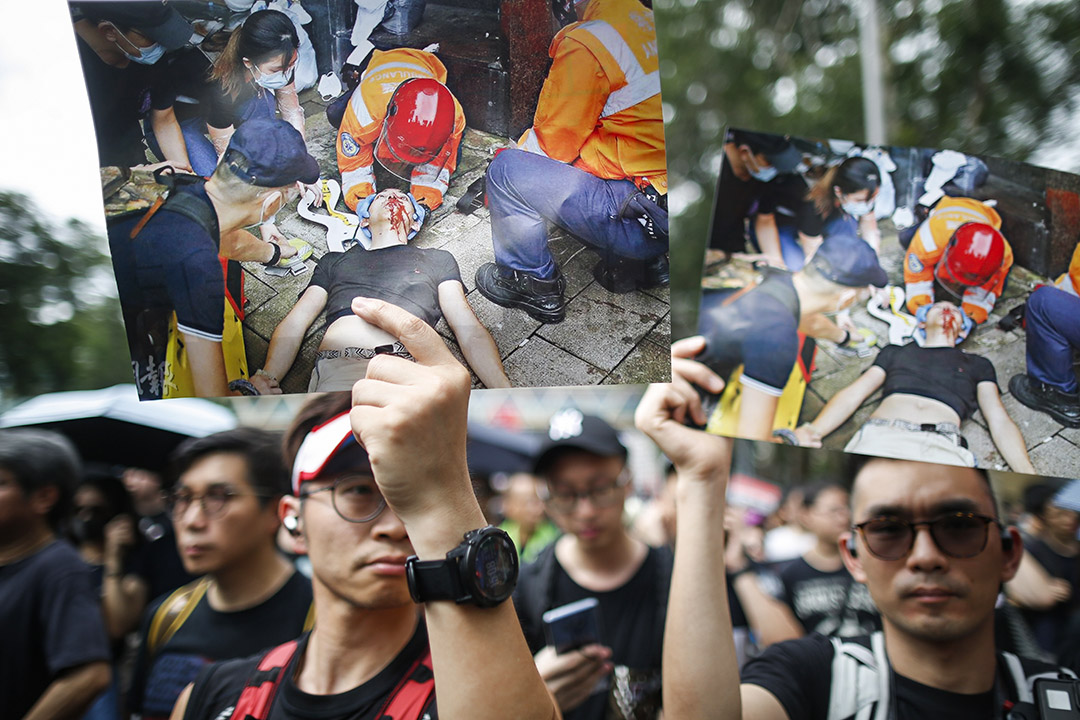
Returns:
(248,597)
(365,498)
(55,659)
(1047,584)
(757,327)
(929,547)
(586,480)
(755,183)
(422,280)
(928,391)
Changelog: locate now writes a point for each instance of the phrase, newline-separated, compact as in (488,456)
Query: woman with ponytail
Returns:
(843,199)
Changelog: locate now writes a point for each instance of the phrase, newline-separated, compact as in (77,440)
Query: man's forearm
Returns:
(71,694)
(768,237)
(701,672)
(500,669)
(169,136)
(836,412)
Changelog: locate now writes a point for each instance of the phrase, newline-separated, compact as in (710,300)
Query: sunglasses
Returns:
(958,534)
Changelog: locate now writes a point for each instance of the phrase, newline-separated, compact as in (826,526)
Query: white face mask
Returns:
(857,208)
(761,174)
(273,81)
(147,55)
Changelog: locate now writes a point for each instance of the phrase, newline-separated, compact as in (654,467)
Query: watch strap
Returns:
(435,580)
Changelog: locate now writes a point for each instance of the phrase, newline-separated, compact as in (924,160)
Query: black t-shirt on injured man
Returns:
(945,374)
(406,276)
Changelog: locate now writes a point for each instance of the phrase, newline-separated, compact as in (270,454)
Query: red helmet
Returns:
(419,120)
(973,256)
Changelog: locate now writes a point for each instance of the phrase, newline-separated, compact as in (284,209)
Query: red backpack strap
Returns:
(258,693)
(412,694)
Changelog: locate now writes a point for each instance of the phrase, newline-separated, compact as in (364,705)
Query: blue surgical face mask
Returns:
(857,208)
(273,81)
(147,55)
(763,174)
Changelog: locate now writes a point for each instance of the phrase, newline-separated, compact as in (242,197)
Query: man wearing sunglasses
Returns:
(927,543)
(585,483)
(224,509)
(389,526)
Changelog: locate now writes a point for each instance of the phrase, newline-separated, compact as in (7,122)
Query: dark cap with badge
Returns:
(848,260)
(571,429)
(157,21)
(270,153)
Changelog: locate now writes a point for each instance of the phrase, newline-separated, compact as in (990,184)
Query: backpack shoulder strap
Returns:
(1023,672)
(860,679)
(194,209)
(173,613)
(412,693)
(257,695)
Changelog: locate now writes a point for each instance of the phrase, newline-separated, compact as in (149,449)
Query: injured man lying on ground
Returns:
(424,281)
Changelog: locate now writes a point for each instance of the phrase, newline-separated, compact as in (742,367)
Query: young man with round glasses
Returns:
(926,542)
(388,528)
(224,509)
(585,483)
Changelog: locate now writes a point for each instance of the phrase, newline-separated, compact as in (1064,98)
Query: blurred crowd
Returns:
(121,584)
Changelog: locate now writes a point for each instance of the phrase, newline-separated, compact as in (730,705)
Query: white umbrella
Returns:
(112,426)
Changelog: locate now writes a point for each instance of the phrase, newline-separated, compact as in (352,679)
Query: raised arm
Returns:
(287,338)
(475,341)
(428,487)
(840,407)
(701,674)
(1006,435)
(1033,588)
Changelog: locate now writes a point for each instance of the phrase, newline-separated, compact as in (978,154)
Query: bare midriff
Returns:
(916,409)
(351,331)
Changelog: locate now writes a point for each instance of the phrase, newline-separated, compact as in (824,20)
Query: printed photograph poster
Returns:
(444,158)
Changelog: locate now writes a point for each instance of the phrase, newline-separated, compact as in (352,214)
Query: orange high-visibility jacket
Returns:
(928,246)
(363,120)
(599,108)
(1070,281)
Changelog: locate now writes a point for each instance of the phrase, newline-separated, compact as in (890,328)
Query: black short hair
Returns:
(1038,495)
(860,462)
(39,459)
(813,491)
(260,449)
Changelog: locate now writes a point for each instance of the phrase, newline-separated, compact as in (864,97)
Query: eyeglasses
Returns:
(599,496)
(212,502)
(355,498)
(958,535)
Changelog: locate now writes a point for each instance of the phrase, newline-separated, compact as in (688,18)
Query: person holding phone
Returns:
(585,484)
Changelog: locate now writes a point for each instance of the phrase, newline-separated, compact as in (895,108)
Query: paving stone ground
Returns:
(1053,448)
(605,339)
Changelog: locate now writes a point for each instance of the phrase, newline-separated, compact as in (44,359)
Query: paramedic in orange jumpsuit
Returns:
(402,115)
(592,163)
(959,245)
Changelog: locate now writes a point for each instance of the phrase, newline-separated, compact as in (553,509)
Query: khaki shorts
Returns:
(337,370)
(893,442)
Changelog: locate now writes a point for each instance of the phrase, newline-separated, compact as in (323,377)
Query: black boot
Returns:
(541,299)
(625,275)
(1063,407)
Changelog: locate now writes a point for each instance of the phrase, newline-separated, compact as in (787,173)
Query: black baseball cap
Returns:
(571,429)
(777,149)
(848,260)
(270,153)
(159,22)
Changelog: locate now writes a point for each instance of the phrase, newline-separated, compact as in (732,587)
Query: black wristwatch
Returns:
(482,570)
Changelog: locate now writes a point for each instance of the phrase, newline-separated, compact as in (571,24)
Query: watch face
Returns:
(496,568)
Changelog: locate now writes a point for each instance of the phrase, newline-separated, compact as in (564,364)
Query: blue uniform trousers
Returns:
(526,191)
(1053,332)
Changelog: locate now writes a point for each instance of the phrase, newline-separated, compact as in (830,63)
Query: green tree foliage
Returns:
(60,326)
(995,77)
